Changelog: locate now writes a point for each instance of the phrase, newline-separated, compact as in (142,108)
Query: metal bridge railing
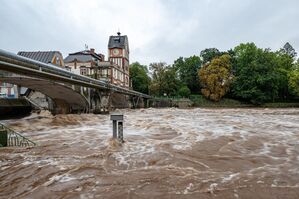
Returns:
(10,138)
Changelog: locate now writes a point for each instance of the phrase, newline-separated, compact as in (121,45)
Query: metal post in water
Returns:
(120,131)
(114,123)
(117,125)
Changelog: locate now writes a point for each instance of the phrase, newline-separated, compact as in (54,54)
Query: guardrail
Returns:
(22,65)
(10,138)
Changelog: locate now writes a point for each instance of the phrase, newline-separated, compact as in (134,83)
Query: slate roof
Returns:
(82,56)
(118,41)
(42,56)
(105,64)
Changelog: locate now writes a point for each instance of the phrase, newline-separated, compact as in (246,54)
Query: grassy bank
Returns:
(200,101)
(281,105)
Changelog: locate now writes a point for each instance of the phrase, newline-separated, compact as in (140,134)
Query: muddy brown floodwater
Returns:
(168,153)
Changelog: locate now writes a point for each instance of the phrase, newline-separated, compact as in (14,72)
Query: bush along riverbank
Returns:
(201,101)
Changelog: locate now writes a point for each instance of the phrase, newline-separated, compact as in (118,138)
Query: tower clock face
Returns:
(115,52)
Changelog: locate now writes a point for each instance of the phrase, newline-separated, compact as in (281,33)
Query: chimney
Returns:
(102,57)
(92,50)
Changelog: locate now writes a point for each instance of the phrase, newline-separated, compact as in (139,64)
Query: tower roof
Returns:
(118,42)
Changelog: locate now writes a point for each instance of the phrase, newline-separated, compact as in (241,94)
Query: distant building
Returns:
(48,57)
(83,62)
(118,53)
(115,70)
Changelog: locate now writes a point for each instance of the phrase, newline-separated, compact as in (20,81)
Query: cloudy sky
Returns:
(158,30)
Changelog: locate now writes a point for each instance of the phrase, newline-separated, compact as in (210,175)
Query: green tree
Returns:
(139,77)
(284,63)
(157,70)
(256,79)
(164,80)
(187,69)
(184,91)
(216,77)
(171,82)
(208,54)
(294,80)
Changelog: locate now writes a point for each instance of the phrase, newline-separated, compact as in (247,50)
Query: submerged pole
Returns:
(117,126)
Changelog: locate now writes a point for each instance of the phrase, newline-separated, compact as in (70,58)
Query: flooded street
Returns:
(168,153)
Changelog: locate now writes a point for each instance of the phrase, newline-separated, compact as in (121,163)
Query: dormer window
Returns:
(57,61)
(117,39)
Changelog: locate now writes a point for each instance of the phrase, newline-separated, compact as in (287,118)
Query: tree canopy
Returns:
(187,71)
(215,77)
(294,80)
(139,77)
(256,79)
(164,80)
(208,54)
(246,73)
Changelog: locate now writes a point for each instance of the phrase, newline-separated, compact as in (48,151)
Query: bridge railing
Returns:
(18,64)
(10,138)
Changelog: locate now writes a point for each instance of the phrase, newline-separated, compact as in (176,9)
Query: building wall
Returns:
(115,70)
(77,67)
(121,58)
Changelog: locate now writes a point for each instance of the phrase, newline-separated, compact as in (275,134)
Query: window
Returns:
(114,73)
(68,68)
(57,61)
(104,73)
(83,70)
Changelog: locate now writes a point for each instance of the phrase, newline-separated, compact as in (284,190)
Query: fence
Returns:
(10,138)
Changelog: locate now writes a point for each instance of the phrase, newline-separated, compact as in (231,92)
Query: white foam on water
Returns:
(212,187)
(200,138)
(59,178)
(182,146)
(65,178)
(188,188)
(4,168)
(87,196)
(229,177)
(27,163)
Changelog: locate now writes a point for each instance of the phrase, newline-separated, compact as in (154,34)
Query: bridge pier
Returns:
(17,91)
(138,102)
(100,101)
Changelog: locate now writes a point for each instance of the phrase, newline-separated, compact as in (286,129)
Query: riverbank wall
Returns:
(10,108)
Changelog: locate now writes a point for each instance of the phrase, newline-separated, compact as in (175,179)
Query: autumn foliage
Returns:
(215,77)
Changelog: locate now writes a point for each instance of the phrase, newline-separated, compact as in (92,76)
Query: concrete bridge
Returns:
(68,91)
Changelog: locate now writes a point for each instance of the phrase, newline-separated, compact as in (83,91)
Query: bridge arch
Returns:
(65,98)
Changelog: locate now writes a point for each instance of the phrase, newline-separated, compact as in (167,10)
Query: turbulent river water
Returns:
(168,153)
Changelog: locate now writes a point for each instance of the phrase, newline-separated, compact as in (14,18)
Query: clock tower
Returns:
(118,54)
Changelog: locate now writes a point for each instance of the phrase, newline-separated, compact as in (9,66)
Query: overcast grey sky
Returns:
(158,30)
